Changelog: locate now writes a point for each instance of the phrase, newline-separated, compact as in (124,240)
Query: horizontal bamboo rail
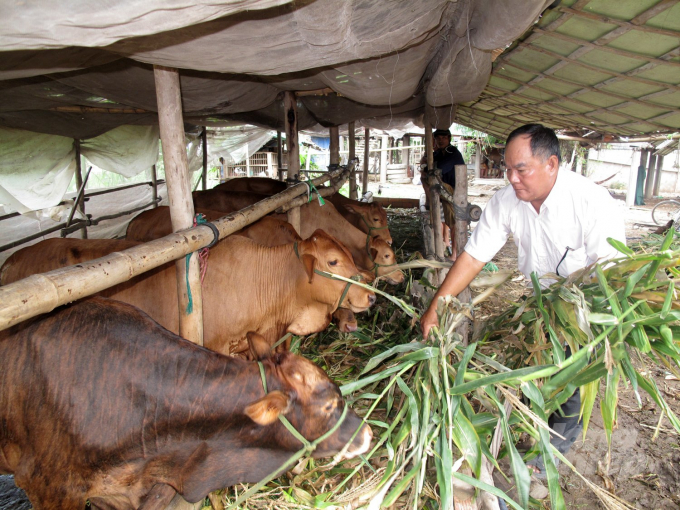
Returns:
(42,293)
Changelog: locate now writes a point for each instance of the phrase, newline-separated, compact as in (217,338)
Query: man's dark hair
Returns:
(543,140)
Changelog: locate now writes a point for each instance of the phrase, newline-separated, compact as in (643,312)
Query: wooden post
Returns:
(204,174)
(350,156)
(657,175)
(279,155)
(367,145)
(478,161)
(269,165)
(460,199)
(632,180)
(385,140)
(171,126)
(649,182)
(80,206)
(154,186)
(291,123)
(406,153)
(247,162)
(434,198)
(334,133)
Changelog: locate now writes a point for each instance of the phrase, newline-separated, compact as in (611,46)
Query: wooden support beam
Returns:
(279,154)
(80,206)
(334,134)
(657,177)
(291,125)
(649,183)
(353,194)
(171,125)
(154,186)
(434,199)
(367,145)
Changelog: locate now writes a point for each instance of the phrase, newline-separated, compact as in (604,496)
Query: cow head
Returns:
(312,403)
(322,252)
(373,219)
(384,259)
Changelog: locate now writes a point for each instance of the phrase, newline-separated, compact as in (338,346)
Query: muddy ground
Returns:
(642,470)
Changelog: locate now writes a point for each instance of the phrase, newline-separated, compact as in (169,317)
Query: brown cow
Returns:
(248,287)
(155,223)
(100,403)
(368,217)
(369,252)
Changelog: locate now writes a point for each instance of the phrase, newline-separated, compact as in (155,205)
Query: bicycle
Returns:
(665,211)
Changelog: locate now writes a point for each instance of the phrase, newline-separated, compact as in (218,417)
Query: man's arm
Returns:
(461,274)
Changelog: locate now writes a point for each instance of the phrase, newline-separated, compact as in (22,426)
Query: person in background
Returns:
(559,221)
(446,157)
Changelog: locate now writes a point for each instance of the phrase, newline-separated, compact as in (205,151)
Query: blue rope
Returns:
(199,219)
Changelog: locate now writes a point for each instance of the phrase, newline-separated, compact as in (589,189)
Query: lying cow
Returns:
(370,218)
(100,403)
(247,287)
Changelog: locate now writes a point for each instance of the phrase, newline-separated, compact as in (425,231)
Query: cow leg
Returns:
(158,498)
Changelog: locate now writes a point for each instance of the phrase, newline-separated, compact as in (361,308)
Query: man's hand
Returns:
(428,320)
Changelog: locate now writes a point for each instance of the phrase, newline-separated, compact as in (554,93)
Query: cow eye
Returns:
(333,263)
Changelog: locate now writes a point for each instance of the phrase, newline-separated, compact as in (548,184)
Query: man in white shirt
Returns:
(560,222)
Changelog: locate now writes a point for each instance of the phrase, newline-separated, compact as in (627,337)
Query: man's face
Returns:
(531,177)
(441,141)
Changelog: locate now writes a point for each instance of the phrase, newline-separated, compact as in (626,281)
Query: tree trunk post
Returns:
(367,146)
(460,199)
(291,123)
(334,133)
(350,156)
(279,155)
(171,126)
(80,206)
(434,198)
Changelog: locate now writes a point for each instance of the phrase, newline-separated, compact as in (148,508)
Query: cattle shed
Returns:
(108,82)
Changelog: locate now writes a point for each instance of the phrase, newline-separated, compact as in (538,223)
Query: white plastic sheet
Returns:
(125,150)
(235,143)
(35,169)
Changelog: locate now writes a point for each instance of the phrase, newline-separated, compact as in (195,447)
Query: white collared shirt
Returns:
(576,219)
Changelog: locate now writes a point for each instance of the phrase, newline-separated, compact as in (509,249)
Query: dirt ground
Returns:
(641,469)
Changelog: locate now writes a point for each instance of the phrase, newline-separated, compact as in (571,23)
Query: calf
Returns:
(248,287)
(100,403)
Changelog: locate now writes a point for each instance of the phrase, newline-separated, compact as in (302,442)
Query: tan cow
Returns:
(248,287)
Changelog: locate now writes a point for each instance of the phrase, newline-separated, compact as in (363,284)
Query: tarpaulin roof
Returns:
(81,68)
(591,68)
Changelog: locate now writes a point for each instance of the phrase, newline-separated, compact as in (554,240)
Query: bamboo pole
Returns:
(291,124)
(367,144)
(154,186)
(204,174)
(334,134)
(385,140)
(42,293)
(434,199)
(350,157)
(80,204)
(171,126)
(279,154)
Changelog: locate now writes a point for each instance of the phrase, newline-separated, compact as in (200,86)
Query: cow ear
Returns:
(258,346)
(374,253)
(309,261)
(351,208)
(267,410)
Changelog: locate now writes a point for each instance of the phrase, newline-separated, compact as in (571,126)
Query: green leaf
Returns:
(620,246)
(609,403)
(468,442)
(521,374)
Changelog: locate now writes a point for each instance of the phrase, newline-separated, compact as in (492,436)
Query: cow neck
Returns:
(356,277)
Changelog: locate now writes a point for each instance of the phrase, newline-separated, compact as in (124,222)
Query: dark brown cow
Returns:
(155,223)
(99,402)
(248,287)
(370,218)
